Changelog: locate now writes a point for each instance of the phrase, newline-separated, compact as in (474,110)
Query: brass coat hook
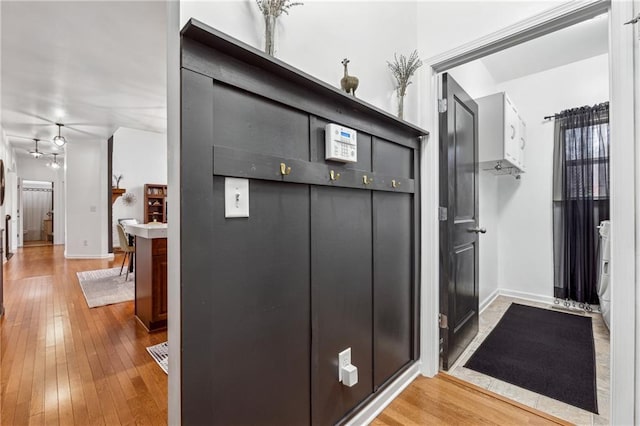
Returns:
(366,180)
(395,184)
(284,170)
(333,175)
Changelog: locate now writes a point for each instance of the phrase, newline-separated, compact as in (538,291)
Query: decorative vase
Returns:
(400,104)
(269,34)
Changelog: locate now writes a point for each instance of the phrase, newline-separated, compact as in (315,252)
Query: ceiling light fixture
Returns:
(59,140)
(54,164)
(35,153)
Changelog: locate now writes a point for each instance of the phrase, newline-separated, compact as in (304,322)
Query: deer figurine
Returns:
(348,83)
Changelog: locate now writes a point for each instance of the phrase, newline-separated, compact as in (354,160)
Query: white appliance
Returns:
(604,279)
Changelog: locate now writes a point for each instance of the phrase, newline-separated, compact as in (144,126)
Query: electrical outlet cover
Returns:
(344,359)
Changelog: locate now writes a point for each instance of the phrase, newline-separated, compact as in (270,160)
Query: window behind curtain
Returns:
(580,199)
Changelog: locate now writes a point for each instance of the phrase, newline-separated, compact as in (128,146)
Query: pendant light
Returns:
(59,140)
(35,153)
(54,164)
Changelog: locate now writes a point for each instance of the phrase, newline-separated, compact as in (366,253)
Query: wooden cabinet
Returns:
(1,274)
(502,135)
(327,260)
(155,203)
(151,282)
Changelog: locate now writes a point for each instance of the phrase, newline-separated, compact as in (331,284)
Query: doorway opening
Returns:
(37,212)
(509,194)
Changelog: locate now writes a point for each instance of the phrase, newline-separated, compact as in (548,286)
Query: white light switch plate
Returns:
(236,197)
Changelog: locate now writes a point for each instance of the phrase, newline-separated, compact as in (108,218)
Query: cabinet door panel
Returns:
(341,298)
(246,121)
(159,288)
(392,160)
(511,125)
(523,142)
(246,340)
(392,283)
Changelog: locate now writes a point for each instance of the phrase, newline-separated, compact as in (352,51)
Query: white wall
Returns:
(86,207)
(313,38)
(36,169)
(8,156)
(444,25)
(140,157)
(525,207)
(516,254)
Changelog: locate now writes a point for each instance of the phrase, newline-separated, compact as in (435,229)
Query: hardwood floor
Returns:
(447,400)
(63,363)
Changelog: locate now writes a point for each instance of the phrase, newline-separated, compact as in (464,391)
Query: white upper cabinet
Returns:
(502,135)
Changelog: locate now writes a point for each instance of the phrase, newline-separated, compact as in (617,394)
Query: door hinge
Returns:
(442,321)
(441,345)
(442,105)
(442,213)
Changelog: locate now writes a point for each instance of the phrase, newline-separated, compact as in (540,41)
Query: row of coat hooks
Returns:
(333,176)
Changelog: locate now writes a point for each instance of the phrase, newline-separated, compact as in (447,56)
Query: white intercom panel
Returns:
(341,143)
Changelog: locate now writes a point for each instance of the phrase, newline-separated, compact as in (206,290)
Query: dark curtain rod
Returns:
(602,105)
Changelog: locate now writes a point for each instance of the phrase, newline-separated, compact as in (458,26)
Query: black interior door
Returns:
(459,226)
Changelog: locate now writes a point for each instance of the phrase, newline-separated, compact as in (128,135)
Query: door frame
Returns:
(623,182)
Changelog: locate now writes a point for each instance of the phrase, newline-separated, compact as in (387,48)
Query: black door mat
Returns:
(548,352)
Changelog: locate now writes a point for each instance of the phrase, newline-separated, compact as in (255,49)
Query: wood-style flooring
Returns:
(65,364)
(447,400)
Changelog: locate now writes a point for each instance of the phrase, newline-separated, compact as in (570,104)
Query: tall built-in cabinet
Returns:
(155,203)
(502,135)
(327,259)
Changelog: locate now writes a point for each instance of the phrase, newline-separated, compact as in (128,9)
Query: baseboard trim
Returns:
(375,407)
(526,296)
(489,300)
(108,256)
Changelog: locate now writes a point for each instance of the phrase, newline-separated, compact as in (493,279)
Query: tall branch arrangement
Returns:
(271,10)
(402,70)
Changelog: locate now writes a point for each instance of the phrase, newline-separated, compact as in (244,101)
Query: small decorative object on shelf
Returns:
(403,69)
(116,192)
(348,83)
(155,205)
(271,10)
(117,179)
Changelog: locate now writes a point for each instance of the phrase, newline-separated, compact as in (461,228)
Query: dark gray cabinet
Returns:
(341,292)
(320,265)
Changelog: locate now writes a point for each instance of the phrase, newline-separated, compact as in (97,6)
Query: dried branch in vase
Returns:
(402,70)
(117,179)
(271,10)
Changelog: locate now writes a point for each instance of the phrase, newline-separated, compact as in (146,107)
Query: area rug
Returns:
(160,354)
(106,286)
(548,352)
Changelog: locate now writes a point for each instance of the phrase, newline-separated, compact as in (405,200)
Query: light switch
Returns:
(236,197)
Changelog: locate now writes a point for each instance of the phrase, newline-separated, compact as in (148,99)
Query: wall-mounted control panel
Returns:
(341,143)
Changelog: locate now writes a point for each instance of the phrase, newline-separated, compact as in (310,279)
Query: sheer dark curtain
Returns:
(580,199)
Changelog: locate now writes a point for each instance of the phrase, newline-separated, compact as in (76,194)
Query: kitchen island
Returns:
(151,274)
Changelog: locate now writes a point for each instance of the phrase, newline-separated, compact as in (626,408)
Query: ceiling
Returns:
(581,41)
(94,66)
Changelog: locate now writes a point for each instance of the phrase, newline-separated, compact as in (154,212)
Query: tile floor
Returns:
(489,318)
